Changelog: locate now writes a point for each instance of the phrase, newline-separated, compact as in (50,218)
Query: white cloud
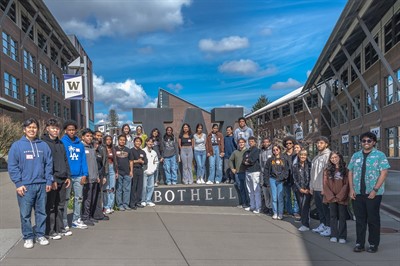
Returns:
(266,31)
(122,96)
(175,87)
(289,84)
(92,19)
(145,50)
(152,104)
(308,73)
(246,67)
(224,45)
(100,116)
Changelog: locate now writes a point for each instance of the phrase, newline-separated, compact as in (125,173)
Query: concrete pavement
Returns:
(188,235)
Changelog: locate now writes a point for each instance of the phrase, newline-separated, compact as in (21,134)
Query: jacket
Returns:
(317,169)
(60,161)
(102,162)
(235,161)
(169,148)
(30,162)
(220,139)
(336,188)
(301,175)
(76,156)
(229,146)
(152,161)
(265,154)
(276,168)
(251,160)
(91,160)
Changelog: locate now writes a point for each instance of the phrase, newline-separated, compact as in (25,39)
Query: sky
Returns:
(212,53)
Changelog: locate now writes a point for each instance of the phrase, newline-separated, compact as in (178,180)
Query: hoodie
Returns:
(76,156)
(152,161)
(91,160)
(60,161)
(30,162)
(317,169)
(245,133)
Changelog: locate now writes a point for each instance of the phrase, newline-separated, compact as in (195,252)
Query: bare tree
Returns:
(10,131)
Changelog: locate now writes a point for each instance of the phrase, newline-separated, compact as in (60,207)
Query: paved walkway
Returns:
(184,235)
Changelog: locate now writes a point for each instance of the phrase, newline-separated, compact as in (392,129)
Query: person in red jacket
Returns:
(215,153)
(336,194)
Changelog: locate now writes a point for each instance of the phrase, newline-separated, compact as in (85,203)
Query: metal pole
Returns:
(85,76)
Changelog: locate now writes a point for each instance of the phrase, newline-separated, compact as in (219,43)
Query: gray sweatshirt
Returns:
(91,163)
(317,169)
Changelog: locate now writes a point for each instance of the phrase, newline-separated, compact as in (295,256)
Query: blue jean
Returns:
(187,162)
(240,179)
(253,186)
(291,204)
(35,197)
(123,193)
(200,157)
(109,196)
(78,190)
(277,196)
(148,188)
(170,169)
(215,166)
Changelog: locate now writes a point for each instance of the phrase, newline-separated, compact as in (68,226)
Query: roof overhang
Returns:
(12,105)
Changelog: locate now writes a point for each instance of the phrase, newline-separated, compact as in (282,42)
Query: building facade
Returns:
(36,53)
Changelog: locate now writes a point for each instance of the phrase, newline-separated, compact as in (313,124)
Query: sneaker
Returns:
(66,232)
(143,204)
(66,228)
(240,206)
(297,217)
(42,241)
(156,184)
(256,211)
(28,243)
(109,211)
(151,204)
(209,183)
(198,181)
(55,236)
(275,216)
(333,239)
(280,217)
(217,182)
(88,222)
(173,183)
(358,248)
(202,181)
(342,241)
(94,220)
(372,249)
(247,209)
(79,224)
(303,228)
(326,232)
(121,209)
(319,229)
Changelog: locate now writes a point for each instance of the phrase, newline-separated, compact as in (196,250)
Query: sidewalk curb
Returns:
(392,212)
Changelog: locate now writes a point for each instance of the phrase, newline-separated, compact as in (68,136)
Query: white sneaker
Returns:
(79,224)
(109,211)
(156,184)
(143,204)
(217,182)
(55,236)
(209,183)
(342,241)
(319,229)
(28,243)
(42,241)
(247,209)
(303,228)
(198,181)
(326,232)
(275,216)
(66,233)
(151,204)
(333,239)
(202,181)
(66,228)
(280,217)
(256,211)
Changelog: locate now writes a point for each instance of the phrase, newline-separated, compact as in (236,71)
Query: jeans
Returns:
(322,208)
(78,190)
(55,209)
(137,187)
(171,168)
(277,196)
(253,186)
(123,192)
(291,204)
(148,188)
(367,213)
(109,195)
(187,161)
(338,212)
(266,190)
(35,197)
(200,157)
(241,184)
(215,166)
(304,201)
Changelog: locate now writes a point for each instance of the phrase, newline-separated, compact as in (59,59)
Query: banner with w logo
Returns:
(73,87)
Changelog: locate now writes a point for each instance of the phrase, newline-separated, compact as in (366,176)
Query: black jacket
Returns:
(61,169)
(252,157)
(301,176)
(276,168)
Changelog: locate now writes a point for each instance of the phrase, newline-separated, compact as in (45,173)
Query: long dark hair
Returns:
(158,136)
(105,138)
(189,132)
(122,129)
(166,137)
(331,168)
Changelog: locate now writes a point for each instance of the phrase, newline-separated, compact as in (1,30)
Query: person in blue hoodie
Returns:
(230,146)
(30,166)
(78,167)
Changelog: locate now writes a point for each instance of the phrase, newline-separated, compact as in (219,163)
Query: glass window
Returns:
(55,82)
(45,103)
(10,46)
(57,109)
(44,73)
(30,95)
(354,113)
(392,141)
(369,104)
(11,86)
(356,143)
(29,62)
(66,113)
(370,54)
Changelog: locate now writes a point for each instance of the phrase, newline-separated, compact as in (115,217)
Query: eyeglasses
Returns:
(366,140)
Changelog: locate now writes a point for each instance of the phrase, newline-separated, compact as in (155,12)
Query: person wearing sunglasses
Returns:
(368,169)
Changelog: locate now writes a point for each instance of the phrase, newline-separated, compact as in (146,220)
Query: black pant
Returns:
(97,212)
(338,212)
(322,208)
(304,201)
(367,213)
(137,187)
(55,209)
(89,200)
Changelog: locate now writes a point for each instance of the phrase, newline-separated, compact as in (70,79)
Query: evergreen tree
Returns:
(261,102)
(113,118)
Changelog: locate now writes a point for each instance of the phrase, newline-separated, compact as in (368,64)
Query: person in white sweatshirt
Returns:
(148,177)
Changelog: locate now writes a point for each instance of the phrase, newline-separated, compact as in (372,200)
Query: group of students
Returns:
(103,176)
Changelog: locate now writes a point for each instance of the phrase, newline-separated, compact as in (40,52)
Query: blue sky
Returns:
(213,53)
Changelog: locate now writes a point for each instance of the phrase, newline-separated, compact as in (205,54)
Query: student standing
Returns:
(215,153)
(79,170)
(158,174)
(30,166)
(186,144)
(126,131)
(239,170)
(140,133)
(150,169)
(56,197)
(368,170)
(251,161)
(336,194)
(170,156)
(200,154)
(229,147)
(265,154)
(125,173)
(243,131)
(139,160)
(109,195)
